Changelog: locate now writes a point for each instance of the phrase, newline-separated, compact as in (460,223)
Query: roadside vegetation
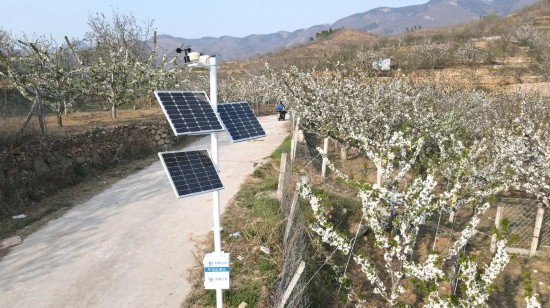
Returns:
(251,221)
(459,122)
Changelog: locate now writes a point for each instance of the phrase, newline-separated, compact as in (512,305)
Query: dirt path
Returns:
(131,245)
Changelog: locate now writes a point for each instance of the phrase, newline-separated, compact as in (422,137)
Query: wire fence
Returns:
(291,291)
(438,232)
(12,103)
(521,214)
(544,240)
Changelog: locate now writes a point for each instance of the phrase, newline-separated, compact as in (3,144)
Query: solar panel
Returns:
(240,121)
(189,113)
(191,172)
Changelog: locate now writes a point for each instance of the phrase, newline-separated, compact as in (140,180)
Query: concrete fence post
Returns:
(292,284)
(498,217)
(453,212)
(292,213)
(536,231)
(344,153)
(282,176)
(294,140)
(325,160)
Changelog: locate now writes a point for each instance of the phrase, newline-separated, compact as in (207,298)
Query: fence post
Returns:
(325,160)
(294,140)
(536,231)
(344,153)
(453,209)
(498,217)
(282,175)
(292,284)
(291,214)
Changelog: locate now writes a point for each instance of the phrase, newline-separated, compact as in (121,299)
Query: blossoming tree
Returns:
(404,127)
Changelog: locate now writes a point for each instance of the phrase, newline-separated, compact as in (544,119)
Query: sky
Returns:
(188,19)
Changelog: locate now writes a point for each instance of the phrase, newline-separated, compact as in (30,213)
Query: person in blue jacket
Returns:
(281,110)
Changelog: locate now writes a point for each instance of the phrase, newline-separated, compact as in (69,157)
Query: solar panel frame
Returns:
(181,168)
(239,116)
(189,112)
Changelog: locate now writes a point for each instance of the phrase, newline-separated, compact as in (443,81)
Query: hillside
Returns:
(305,55)
(232,48)
(384,20)
(506,64)
(435,13)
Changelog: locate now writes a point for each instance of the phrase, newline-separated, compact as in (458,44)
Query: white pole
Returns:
(213,68)
(216,194)
(498,217)
(325,160)
(536,231)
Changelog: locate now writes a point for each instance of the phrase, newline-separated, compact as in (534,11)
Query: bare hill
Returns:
(384,20)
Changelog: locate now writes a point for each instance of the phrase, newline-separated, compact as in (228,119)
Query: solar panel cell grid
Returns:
(191,172)
(189,113)
(240,121)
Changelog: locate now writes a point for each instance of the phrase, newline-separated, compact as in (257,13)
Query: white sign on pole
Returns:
(382,64)
(216,271)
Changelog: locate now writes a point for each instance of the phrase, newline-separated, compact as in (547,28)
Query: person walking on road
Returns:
(281,110)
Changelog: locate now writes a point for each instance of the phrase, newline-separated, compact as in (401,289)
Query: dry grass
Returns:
(256,216)
(509,290)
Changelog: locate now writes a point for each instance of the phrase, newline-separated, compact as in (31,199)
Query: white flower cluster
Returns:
(414,134)
(468,232)
(524,150)
(533,301)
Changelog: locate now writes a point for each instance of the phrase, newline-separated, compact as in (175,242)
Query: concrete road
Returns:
(131,245)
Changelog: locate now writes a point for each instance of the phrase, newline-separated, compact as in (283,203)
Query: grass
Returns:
(8,227)
(283,148)
(256,214)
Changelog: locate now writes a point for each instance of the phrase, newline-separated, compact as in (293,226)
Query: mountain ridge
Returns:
(381,21)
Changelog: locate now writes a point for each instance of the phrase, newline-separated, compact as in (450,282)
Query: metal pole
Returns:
(216,194)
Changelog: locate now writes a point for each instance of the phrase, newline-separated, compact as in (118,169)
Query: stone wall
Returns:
(96,147)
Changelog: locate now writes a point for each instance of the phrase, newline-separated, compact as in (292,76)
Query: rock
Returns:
(160,142)
(66,163)
(12,241)
(362,229)
(27,164)
(235,235)
(243,305)
(20,216)
(265,250)
(80,160)
(96,159)
(157,137)
(7,164)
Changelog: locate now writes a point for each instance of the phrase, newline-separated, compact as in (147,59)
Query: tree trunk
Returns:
(29,116)
(41,113)
(59,113)
(65,107)
(59,119)
(113,111)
